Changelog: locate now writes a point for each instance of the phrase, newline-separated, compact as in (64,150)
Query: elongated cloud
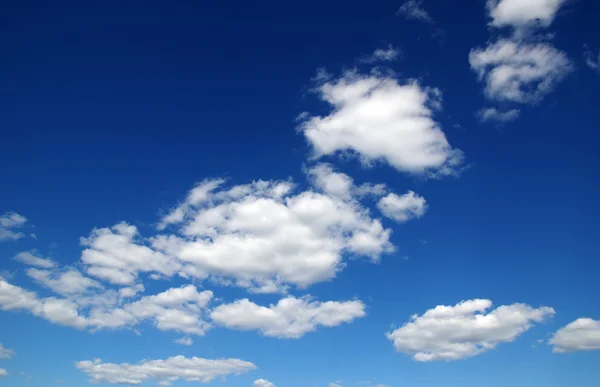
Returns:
(464,330)
(192,369)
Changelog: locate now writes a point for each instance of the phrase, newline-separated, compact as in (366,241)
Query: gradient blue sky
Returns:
(112,111)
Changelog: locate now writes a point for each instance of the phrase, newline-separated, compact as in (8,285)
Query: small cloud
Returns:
(493,114)
(592,60)
(184,341)
(413,9)
(388,54)
(9,222)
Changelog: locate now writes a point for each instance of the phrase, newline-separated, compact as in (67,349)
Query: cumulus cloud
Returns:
(523,14)
(184,341)
(582,334)
(290,318)
(262,383)
(413,9)
(493,114)
(520,72)
(6,353)
(192,369)
(113,255)
(379,119)
(32,259)
(464,330)
(402,208)
(8,223)
(264,236)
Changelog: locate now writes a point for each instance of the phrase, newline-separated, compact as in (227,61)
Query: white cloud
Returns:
(67,282)
(8,222)
(388,54)
(262,383)
(518,71)
(6,353)
(523,14)
(290,318)
(582,334)
(464,330)
(113,255)
(382,120)
(335,385)
(592,60)
(264,236)
(402,208)
(184,341)
(493,114)
(413,9)
(164,371)
(3,372)
(30,258)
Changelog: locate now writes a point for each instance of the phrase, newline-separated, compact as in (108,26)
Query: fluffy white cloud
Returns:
(402,208)
(413,9)
(184,341)
(262,383)
(582,334)
(32,259)
(113,255)
(380,119)
(592,60)
(3,372)
(6,353)
(464,330)
(263,236)
(8,223)
(67,282)
(523,14)
(290,318)
(164,371)
(493,114)
(517,71)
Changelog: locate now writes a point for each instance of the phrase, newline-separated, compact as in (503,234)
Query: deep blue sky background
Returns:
(112,110)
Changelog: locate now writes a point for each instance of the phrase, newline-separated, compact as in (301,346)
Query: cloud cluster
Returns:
(379,119)
(582,334)
(290,318)
(192,369)
(464,330)
(9,223)
(523,68)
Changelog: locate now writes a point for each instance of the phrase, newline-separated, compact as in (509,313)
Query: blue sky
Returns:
(317,194)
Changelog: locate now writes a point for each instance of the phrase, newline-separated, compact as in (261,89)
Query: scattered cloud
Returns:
(6,353)
(464,330)
(582,334)
(8,223)
(519,72)
(592,60)
(164,371)
(3,372)
(523,14)
(380,119)
(290,318)
(413,9)
(493,114)
(388,54)
(184,341)
(262,383)
(32,259)
(402,208)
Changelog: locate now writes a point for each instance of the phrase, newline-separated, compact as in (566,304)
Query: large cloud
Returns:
(192,369)
(523,14)
(464,330)
(264,235)
(517,71)
(9,223)
(380,119)
(582,334)
(290,318)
